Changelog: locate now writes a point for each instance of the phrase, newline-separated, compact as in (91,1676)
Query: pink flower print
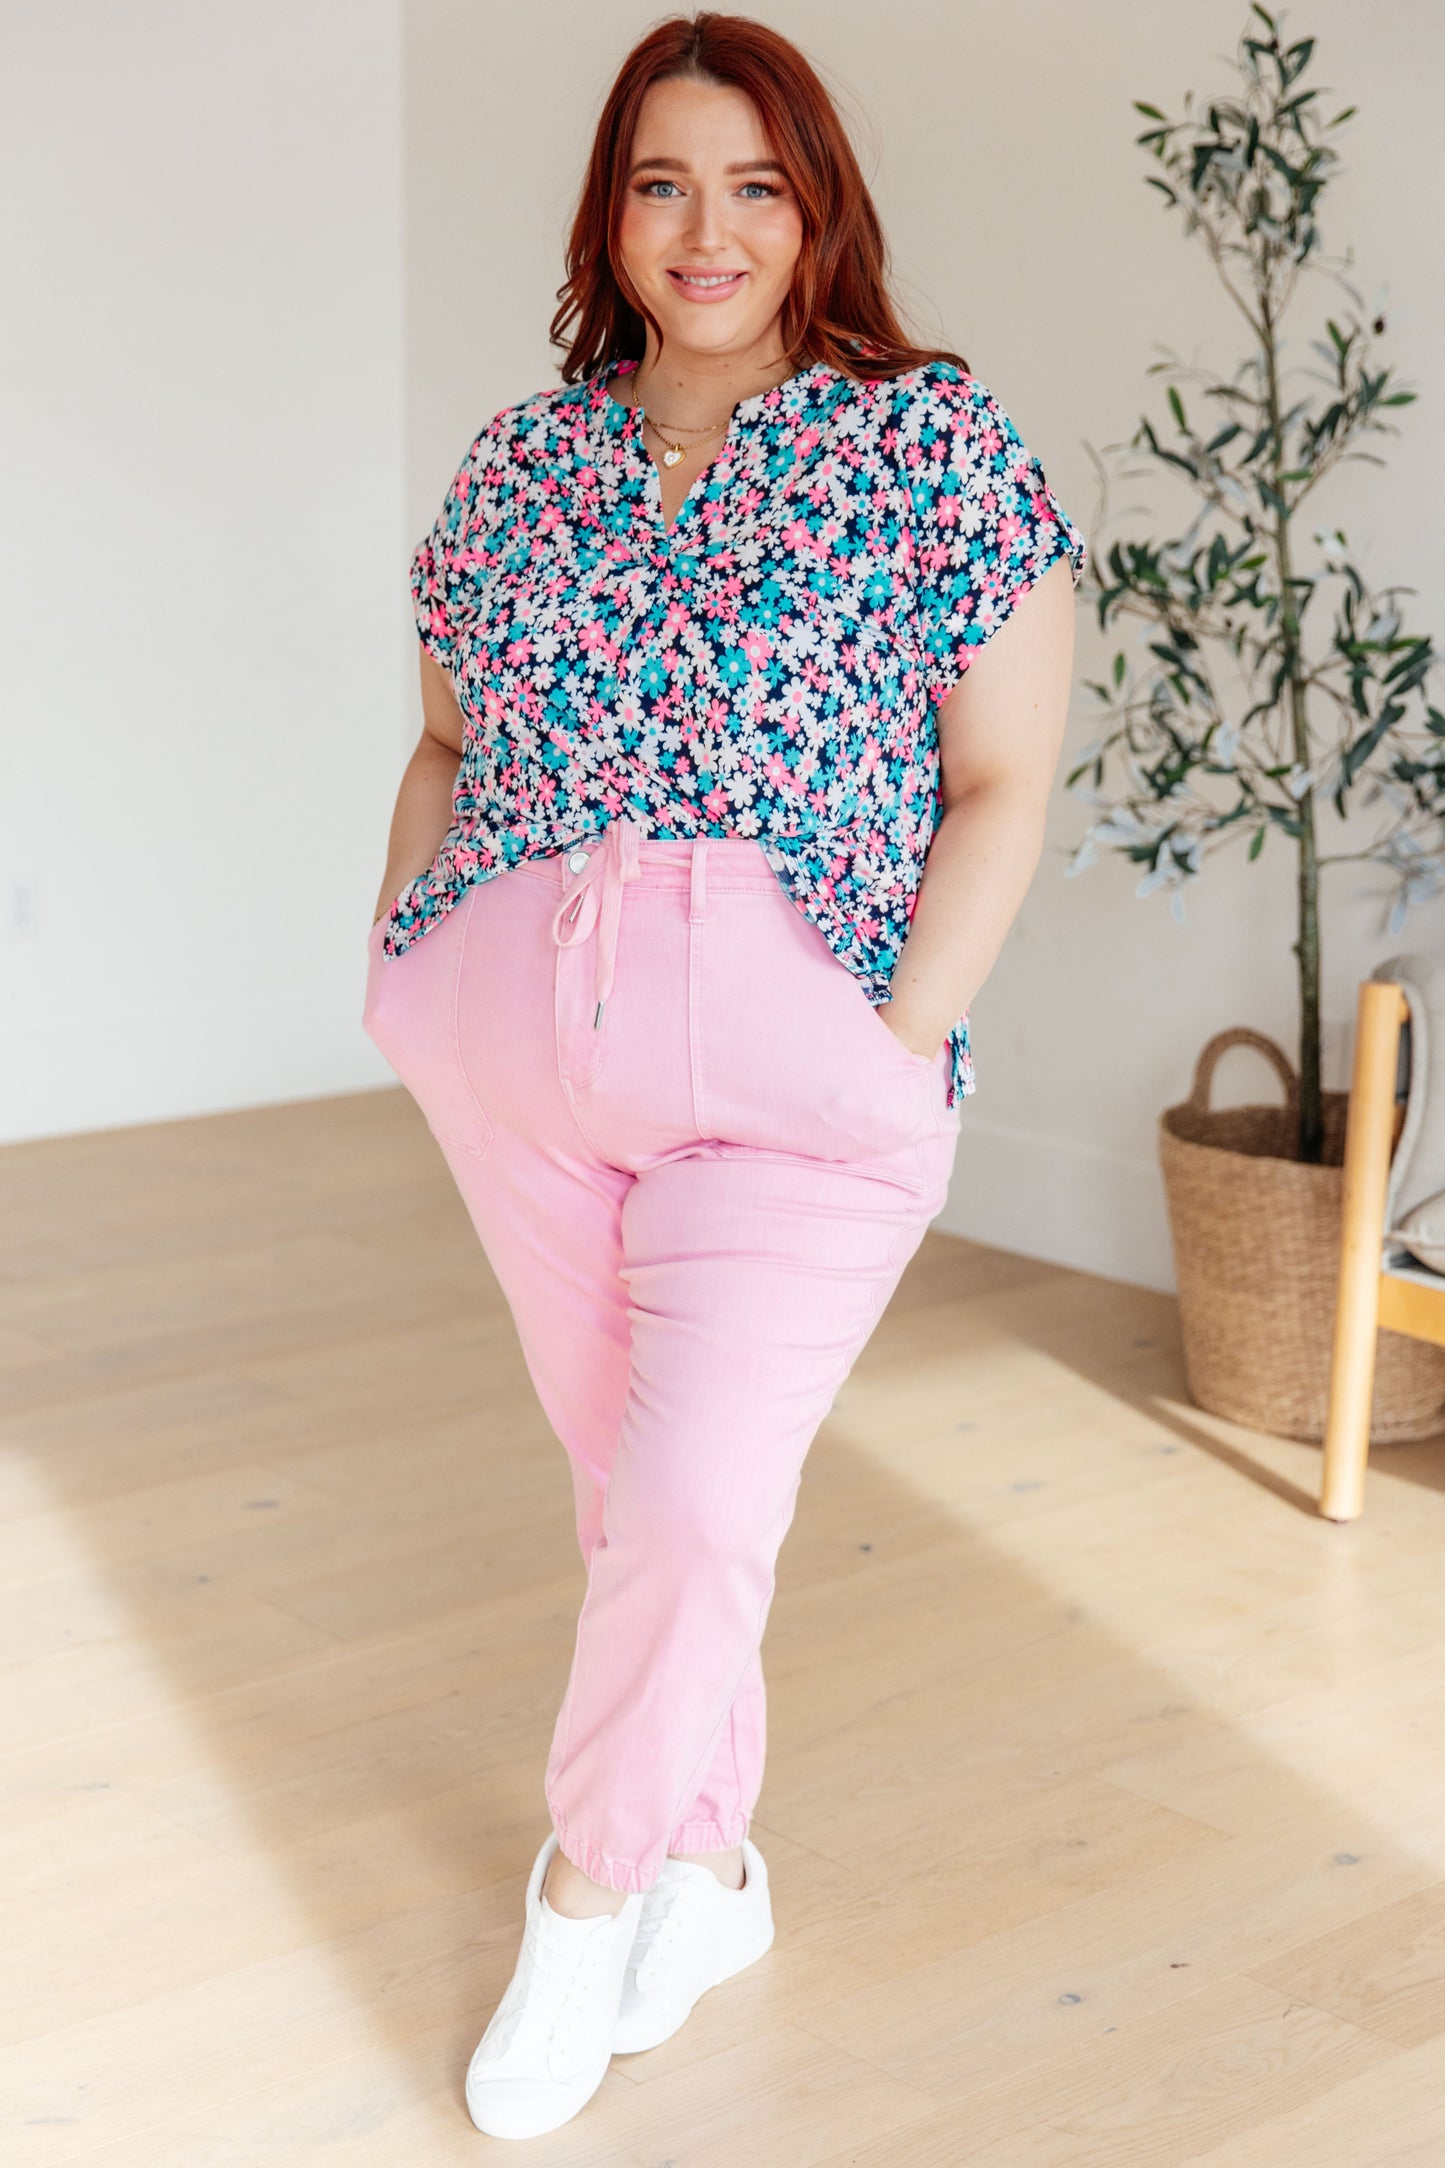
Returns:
(604,675)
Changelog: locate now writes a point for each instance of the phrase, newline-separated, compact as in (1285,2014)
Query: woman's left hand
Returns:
(927,1053)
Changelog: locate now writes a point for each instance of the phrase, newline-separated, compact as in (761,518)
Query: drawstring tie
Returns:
(593,897)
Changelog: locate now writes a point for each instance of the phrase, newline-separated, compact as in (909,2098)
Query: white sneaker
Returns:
(549,2042)
(694,1933)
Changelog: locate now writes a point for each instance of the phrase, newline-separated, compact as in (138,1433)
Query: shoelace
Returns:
(659,1926)
(554,1979)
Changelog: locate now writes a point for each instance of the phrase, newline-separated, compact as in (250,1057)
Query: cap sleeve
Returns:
(446,562)
(986,524)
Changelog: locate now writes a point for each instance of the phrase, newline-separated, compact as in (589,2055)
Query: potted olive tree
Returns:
(1282,698)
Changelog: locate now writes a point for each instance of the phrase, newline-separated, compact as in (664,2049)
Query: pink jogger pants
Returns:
(698,1163)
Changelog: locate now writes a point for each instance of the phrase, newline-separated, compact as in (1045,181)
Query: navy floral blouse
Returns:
(769,666)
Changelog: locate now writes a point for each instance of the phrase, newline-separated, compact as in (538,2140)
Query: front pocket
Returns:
(411,1017)
(788,1059)
(917,1061)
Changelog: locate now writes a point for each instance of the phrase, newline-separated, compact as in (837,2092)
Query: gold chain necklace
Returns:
(668,433)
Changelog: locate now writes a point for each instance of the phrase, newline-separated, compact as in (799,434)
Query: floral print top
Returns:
(769,666)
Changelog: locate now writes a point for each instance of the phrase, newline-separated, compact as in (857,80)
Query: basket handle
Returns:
(1241,1035)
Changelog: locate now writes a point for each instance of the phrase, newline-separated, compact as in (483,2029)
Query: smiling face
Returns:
(710,228)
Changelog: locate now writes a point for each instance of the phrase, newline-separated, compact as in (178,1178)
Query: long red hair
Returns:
(839,309)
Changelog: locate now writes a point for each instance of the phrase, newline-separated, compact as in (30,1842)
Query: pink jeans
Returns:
(698,1164)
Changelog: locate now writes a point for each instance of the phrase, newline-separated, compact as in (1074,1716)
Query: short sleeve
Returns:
(986,525)
(446,561)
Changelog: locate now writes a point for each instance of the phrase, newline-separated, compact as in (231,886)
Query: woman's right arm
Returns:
(424,801)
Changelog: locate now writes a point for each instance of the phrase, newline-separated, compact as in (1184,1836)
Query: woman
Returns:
(721,638)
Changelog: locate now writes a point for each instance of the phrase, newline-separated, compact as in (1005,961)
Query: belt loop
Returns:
(698,893)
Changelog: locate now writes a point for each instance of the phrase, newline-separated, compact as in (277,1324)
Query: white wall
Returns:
(208,697)
(204,653)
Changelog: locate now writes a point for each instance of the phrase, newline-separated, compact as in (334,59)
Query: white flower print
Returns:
(767,668)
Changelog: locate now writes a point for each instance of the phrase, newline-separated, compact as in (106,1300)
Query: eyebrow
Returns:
(679,165)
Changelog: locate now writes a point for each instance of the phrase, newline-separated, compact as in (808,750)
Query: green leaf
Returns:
(1300,55)
(1357,754)
(1291,174)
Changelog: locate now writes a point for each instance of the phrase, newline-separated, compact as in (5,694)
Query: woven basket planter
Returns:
(1256,1236)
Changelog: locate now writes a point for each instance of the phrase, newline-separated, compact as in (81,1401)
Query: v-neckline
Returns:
(629,427)
(637,444)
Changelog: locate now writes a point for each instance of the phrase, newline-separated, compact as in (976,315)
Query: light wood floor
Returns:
(1104,1795)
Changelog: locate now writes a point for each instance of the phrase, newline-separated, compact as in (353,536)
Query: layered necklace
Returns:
(671,434)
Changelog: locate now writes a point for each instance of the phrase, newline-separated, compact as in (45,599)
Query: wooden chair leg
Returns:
(1369,1141)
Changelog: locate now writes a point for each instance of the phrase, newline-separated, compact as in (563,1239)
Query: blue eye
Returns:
(645,188)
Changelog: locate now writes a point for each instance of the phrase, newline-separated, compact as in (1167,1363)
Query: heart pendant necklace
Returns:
(668,432)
